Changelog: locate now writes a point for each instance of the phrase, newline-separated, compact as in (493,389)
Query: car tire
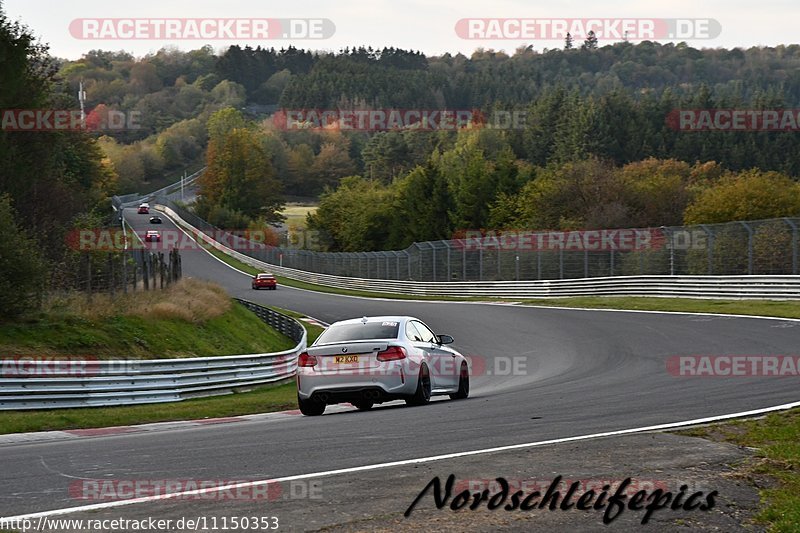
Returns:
(310,407)
(363,405)
(463,384)
(423,393)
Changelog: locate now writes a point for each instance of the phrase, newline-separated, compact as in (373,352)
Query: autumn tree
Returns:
(239,176)
(750,195)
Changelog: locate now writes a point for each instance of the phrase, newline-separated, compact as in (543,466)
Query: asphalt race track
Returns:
(579,372)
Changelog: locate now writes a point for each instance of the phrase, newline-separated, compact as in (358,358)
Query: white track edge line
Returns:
(378,466)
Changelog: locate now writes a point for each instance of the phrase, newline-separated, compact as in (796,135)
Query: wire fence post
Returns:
(709,248)
(794,243)
(449,268)
(749,247)
(585,263)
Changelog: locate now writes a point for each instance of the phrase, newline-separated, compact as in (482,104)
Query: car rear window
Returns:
(265,276)
(359,332)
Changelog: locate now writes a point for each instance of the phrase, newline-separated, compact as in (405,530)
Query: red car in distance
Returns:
(265,280)
(144,209)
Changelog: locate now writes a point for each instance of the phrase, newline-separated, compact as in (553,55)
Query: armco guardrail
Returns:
(129,382)
(761,287)
(131,200)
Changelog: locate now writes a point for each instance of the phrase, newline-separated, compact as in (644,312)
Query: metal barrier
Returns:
(134,199)
(762,287)
(130,382)
(761,247)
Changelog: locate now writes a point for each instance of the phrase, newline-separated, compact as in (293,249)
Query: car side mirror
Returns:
(445,339)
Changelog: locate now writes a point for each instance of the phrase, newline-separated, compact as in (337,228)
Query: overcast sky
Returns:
(426,25)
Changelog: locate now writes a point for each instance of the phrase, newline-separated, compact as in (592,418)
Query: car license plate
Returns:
(345,359)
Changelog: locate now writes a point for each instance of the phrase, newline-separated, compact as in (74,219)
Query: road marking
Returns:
(692,313)
(378,466)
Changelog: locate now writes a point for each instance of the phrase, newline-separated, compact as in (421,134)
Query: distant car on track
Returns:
(152,236)
(144,209)
(265,280)
(155,220)
(372,360)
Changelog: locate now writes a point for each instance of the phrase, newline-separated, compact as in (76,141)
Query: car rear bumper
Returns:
(344,388)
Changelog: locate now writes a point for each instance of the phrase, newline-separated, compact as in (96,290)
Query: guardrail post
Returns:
(480,263)
(561,263)
(611,262)
(794,243)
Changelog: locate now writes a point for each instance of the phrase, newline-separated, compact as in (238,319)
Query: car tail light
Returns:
(306,360)
(392,353)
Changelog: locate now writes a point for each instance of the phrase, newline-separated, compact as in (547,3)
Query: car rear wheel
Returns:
(463,384)
(310,407)
(363,405)
(423,393)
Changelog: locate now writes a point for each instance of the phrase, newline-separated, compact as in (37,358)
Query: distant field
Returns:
(296,214)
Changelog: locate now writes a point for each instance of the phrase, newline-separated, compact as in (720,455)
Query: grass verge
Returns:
(260,400)
(776,466)
(776,308)
(191,319)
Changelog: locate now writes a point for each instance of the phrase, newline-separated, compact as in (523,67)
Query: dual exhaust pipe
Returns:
(372,394)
